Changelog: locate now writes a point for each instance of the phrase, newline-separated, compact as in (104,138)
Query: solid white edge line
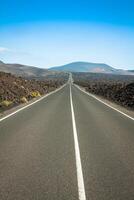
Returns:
(80,179)
(24,107)
(91,95)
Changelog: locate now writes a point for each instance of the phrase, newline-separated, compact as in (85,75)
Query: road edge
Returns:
(30,104)
(98,99)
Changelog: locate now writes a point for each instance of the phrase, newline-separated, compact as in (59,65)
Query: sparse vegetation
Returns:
(23,100)
(35,94)
(5,103)
(15,90)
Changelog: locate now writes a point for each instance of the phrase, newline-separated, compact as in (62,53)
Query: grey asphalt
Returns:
(37,157)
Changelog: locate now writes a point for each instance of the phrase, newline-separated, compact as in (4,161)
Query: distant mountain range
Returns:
(35,72)
(26,71)
(91,67)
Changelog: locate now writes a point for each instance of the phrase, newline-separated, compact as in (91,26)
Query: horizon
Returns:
(65,65)
(39,34)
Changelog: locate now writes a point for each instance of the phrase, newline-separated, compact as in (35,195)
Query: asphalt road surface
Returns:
(68,146)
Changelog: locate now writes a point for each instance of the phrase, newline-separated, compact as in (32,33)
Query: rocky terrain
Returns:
(119,89)
(15,90)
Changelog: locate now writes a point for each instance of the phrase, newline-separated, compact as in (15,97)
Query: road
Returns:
(53,150)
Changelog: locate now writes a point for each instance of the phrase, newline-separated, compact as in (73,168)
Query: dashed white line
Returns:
(13,113)
(80,179)
(91,95)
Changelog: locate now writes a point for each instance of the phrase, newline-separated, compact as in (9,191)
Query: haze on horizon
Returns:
(47,34)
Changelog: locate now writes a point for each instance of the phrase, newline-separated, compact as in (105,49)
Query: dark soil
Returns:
(13,88)
(119,89)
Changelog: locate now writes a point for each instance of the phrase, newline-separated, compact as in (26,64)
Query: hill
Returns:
(89,67)
(23,70)
(27,71)
(132,71)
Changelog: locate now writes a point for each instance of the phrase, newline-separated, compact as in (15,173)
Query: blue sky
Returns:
(51,33)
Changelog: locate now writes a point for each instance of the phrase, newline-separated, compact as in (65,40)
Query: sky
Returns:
(52,33)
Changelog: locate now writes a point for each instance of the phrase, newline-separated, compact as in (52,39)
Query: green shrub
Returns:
(6,103)
(35,94)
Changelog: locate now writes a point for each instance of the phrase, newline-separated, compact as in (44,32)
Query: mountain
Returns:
(25,71)
(22,70)
(132,71)
(40,73)
(89,67)
(1,62)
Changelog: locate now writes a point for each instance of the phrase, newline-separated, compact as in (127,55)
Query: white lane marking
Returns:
(91,95)
(13,113)
(80,179)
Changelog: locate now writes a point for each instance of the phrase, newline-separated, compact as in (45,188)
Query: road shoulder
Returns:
(108,103)
(20,107)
